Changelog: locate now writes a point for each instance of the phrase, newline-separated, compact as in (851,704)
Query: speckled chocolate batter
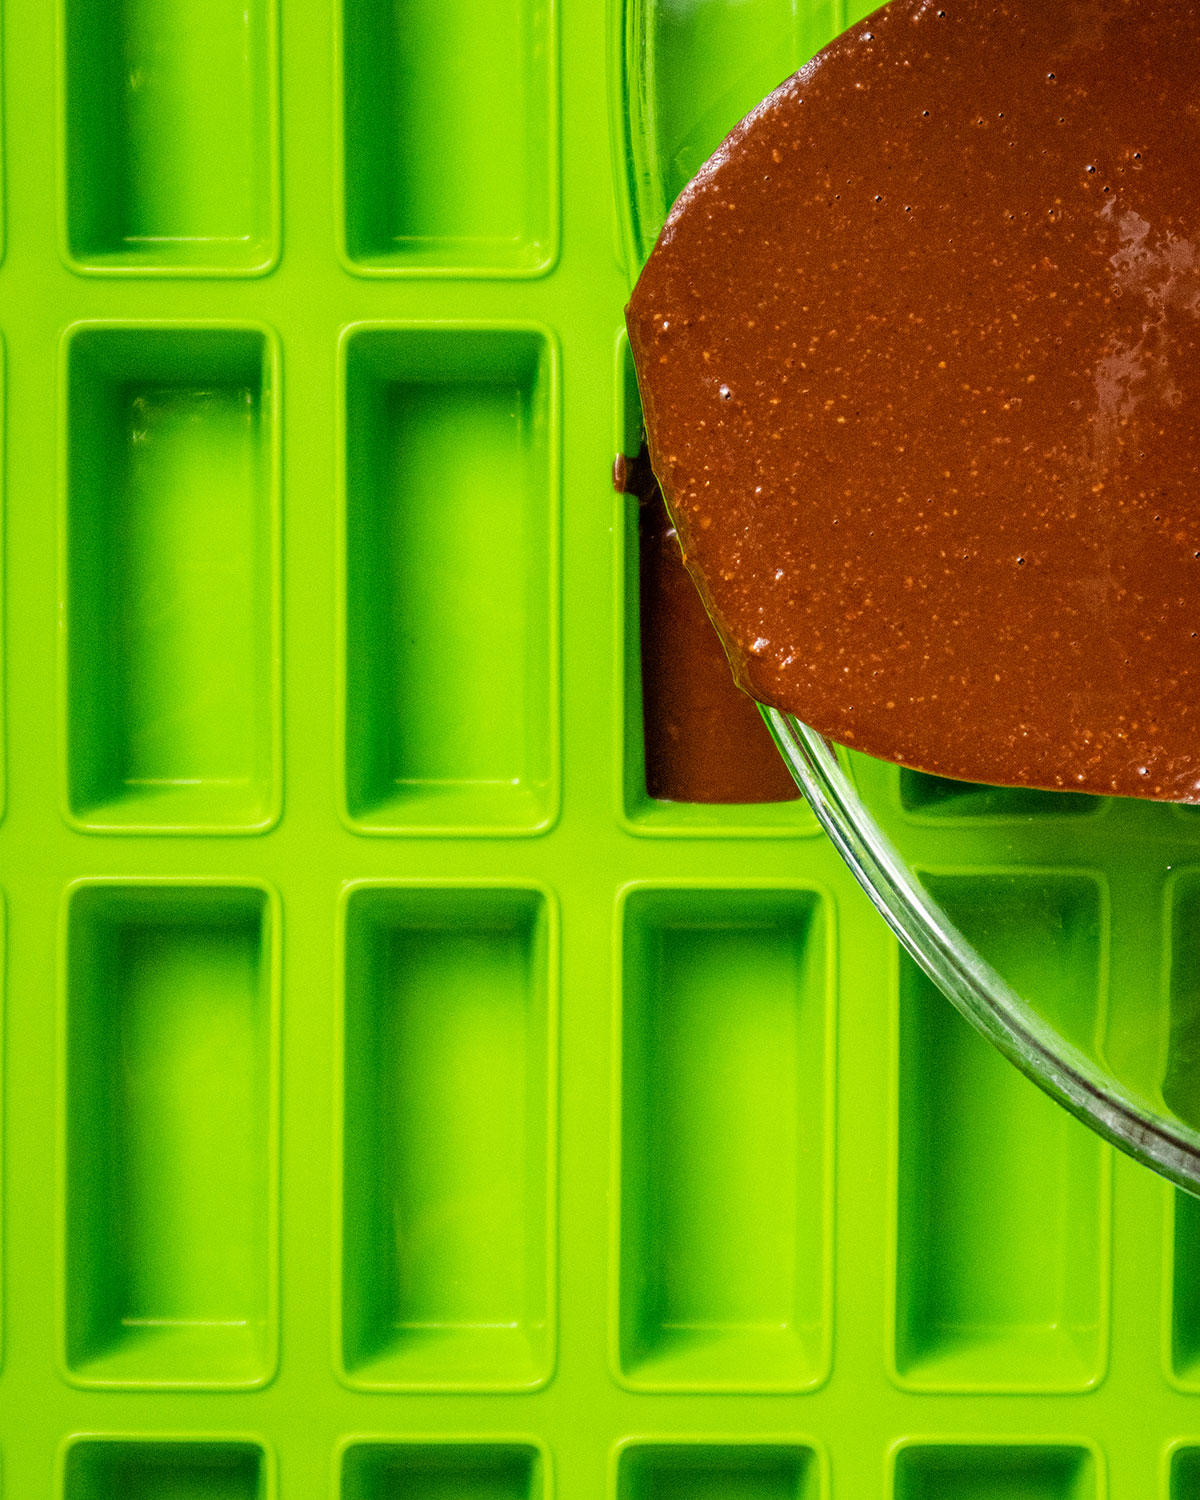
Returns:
(919,353)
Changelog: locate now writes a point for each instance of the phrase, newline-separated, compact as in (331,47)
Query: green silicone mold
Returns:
(397,1100)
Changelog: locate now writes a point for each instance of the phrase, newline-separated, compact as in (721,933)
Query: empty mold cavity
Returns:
(1002,1196)
(724,1168)
(170,1170)
(449,126)
(1185,1474)
(717,1471)
(1185,1292)
(442,1471)
(939,796)
(694,70)
(985,1471)
(446,1140)
(1045,933)
(450,600)
(171,161)
(171,579)
(147,1469)
(1181,1073)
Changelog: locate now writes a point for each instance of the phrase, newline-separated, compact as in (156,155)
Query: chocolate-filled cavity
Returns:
(919,355)
(704,739)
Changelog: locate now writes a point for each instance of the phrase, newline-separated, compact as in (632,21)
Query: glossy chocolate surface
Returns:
(919,354)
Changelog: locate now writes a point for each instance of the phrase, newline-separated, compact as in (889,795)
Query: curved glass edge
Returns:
(991,1005)
(639,194)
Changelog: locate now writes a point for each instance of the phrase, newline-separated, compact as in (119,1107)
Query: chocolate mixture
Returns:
(704,739)
(919,354)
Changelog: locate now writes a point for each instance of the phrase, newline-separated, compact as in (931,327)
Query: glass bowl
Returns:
(1065,927)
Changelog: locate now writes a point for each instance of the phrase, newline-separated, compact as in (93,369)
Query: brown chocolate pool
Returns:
(703,738)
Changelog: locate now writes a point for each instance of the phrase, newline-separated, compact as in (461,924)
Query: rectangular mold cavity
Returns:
(726,1088)
(104,1468)
(1185,1292)
(1184,1473)
(718,1471)
(996,1471)
(170,1135)
(1002,1198)
(1181,1071)
(447,1142)
(442,1471)
(171,126)
(170,589)
(451,516)
(666,692)
(449,137)
(941,797)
